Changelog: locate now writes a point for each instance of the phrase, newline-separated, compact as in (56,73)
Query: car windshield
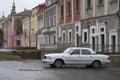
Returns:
(93,52)
(68,50)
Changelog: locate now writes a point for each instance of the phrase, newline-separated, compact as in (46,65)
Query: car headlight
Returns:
(47,57)
(44,57)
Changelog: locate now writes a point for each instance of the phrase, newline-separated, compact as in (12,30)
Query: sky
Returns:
(6,5)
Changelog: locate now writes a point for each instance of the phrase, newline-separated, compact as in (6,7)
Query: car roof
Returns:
(80,48)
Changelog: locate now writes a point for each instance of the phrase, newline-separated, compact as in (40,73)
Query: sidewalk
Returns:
(112,68)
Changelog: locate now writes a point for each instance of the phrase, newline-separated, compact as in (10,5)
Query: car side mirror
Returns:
(71,53)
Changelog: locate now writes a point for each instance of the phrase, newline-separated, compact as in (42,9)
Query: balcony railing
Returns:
(49,46)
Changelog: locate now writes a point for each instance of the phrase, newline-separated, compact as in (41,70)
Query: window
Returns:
(85,36)
(113,1)
(54,39)
(86,52)
(100,2)
(93,31)
(49,39)
(77,28)
(50,21)
(70,36)
(88,3)
(102,29)
(69,7)
(62,11)
(76,51)
(46,40)
(77,5)
(63,37)
(18,42)
(54,20)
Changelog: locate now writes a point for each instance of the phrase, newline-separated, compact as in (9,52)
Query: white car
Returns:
(76,55)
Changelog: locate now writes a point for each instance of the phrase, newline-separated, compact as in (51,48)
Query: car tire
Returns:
(96,64)
(58,63)
(88,66)
(51,65)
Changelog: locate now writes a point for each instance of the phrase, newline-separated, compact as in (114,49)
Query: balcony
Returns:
(48,47)
(49,30)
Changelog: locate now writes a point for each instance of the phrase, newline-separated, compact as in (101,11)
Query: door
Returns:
(77,40)
(86,57)
(102,42)
(93,43)
(73,57)
(113,43)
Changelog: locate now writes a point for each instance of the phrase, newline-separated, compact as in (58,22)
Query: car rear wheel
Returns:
(96,64)
(58,63)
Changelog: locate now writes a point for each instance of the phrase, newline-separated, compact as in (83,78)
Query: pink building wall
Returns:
(26,32)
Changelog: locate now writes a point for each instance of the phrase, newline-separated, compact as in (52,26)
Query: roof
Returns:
(2,18)
(24,13)
(39,5)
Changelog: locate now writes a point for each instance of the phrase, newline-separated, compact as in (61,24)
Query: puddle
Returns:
(29,70)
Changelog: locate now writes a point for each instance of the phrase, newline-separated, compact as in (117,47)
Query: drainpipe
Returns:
(29,32)
(118,14)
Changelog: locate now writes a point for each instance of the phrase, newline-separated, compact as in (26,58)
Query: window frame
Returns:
(63,36)
(69,36)
(62,11)
(75,53)
(77,7)
(85,52)
(83,36)
(89,5)
(68,8)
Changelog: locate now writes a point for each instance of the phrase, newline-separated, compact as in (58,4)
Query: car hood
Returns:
(55,54)
(102,55)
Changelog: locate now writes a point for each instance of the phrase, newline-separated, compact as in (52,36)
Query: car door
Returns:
(86,56)
(74,57)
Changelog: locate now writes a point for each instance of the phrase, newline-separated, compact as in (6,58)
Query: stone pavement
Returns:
(112,68)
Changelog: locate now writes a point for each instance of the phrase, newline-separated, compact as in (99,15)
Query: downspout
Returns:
(118,14)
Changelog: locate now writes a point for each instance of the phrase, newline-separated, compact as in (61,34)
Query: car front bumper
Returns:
(47,61)
(106,62)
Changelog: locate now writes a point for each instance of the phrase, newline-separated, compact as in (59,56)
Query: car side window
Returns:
(76,52)
(85,52)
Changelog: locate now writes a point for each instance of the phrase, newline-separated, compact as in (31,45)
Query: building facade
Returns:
(69,24)
(34,28)
(40,26)
(12,28)
(47,23)
(100,25)
(2,19)
(7,26)
(26,32)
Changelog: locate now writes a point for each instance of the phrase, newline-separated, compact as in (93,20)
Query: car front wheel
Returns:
(58,63)
(96,64)
(51,65)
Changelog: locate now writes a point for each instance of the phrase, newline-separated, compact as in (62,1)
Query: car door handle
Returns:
(90,56)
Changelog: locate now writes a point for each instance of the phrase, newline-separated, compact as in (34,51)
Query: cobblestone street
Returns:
(35,70)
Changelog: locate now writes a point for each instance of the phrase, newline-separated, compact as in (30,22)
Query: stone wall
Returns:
(115,60)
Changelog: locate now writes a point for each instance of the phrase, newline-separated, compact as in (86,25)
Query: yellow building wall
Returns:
(33,29)
(34,20)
